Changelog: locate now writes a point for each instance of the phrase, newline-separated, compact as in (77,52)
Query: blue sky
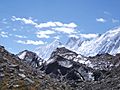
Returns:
(27,24)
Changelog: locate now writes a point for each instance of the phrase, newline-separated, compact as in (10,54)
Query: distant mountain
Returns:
(45,51)
(108,42)
(74,43)
(87,45)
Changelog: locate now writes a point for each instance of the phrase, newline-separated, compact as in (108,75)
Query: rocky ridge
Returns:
(84,73)
(65,70)
(17,75)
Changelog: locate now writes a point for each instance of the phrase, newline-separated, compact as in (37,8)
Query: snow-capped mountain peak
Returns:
(22,55)
(114,30)
(86,44)
(108,42)
(45,51)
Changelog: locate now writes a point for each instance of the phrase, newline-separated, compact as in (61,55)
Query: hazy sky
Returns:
(27,24)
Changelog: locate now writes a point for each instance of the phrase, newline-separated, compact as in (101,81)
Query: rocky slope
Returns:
(17,75)
(64,70)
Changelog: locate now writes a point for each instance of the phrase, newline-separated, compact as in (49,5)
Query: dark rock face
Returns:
(30,58)
(65,72)
(63,52)
(62,65)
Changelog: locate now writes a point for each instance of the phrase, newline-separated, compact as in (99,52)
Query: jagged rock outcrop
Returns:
(30,58)
(68,65)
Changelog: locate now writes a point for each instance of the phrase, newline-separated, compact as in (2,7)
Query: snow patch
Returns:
(21,56)
(66,64)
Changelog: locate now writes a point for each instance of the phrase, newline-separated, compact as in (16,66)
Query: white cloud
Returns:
(73,35)
(7,27)
(102,20)
(65,30)
(14,29)
(89,35)
(24,20)
(44,25)
(55,24)
(44,34)
(54,27)
(107,13)
(31,42)
(19,36)
(21,27)
(115,20)
(57,37)
(59,24)
(4,21)
(4,34)
(71,25)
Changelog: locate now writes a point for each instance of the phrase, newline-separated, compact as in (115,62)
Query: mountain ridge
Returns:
(108,42)
(65,71)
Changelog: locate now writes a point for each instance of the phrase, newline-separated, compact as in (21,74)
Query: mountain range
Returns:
(79,64)
(108,42)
